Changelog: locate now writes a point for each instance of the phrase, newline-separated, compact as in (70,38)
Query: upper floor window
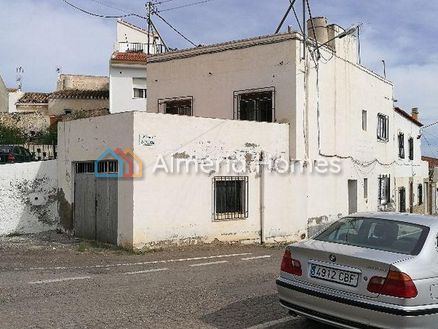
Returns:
(411,148)
(139,87)
(364,120)
(382,127)
(255,105)
(179,106)
(401,145)
(140,93)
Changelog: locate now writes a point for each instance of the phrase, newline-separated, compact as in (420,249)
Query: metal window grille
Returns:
(108,167)
(365,188)
(382,127)
(230,197)
(84,167)
(401,146)
(384,189)
(411,148)
(179,107)
(255,106)
(420,194)
(402,199)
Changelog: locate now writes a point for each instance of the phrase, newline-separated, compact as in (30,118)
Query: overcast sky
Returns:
(40,35)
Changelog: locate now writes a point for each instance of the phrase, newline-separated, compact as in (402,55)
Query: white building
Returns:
(327,135)
(4,97)
(128,90)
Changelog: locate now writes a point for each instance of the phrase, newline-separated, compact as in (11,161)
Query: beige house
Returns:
(4,97)
(290,139)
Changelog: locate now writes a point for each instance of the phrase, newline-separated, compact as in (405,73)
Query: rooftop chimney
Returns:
(415,113)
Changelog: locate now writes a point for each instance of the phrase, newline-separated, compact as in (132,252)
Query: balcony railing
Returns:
(137,47)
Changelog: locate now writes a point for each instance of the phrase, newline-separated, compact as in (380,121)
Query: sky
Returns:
(41,35)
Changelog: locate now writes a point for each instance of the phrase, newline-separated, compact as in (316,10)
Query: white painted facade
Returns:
(13,98)
(29,197)
(128,69)
(318,119)
(4,97)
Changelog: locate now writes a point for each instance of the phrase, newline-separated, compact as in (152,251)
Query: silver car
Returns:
(376,270)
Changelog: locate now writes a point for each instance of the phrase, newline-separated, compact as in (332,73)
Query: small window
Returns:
(384,189)
(402,199)
(84,167)
(364,120)
(365,188)
(420,194)
(382,127)
(411,148)
(178,106)
(140,93)
(68,111)
(230,197)
(255,105)
(401,145)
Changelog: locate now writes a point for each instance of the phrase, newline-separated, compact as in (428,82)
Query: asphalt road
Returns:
(53,285)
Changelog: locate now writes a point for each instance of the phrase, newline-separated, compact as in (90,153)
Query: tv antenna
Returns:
(20,71)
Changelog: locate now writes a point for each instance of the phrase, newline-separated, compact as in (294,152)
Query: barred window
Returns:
(411,148)
(401,145)
(420,194)
(84,167)
(230,197)
(382,127)
(255,105)
(108,167)
(178,106)
(384,189)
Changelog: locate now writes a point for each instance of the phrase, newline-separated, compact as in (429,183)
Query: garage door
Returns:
(95,205)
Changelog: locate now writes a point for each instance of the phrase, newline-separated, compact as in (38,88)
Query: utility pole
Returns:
(149,7)
(304,30)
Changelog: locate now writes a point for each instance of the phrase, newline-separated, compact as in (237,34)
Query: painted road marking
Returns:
(137,264)
(273,323)
(210,263)
(257,257)
(60,280)
(147,271)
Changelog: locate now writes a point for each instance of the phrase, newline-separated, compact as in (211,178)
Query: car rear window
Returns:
(375,233)
(5,149)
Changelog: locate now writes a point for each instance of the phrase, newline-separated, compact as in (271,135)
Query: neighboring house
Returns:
(14,95)
(128,89)
(71,101)
(431,189)
(33,102)
(4,97)
(75,93)
(331,128)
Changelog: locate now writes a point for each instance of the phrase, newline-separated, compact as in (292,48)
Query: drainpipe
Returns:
(262,198)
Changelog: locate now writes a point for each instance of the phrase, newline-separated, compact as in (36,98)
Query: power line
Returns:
(102,16)
(173,28)
(186,5)
(110,6)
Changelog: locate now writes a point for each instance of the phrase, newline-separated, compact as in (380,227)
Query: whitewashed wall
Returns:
(121,88)
(28,197)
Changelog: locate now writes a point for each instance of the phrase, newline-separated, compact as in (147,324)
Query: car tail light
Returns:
(396,284)
(290,265)
(11,158)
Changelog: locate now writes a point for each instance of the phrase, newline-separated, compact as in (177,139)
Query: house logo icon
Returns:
(118,163)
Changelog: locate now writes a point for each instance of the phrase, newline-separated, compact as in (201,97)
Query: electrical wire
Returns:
(110,6)
(185,6)
(102,16)
(173,28)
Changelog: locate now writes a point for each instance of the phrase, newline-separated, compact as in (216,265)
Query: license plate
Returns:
(334,275)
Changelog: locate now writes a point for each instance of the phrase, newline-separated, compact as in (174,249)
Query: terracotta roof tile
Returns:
(135,57)
(34,98)
(80,94)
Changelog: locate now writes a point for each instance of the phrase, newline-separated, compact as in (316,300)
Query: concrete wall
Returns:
(58,106)
(82,82)
(85,140)
(177,208)
(28,194)
(4,97)
(121,88)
